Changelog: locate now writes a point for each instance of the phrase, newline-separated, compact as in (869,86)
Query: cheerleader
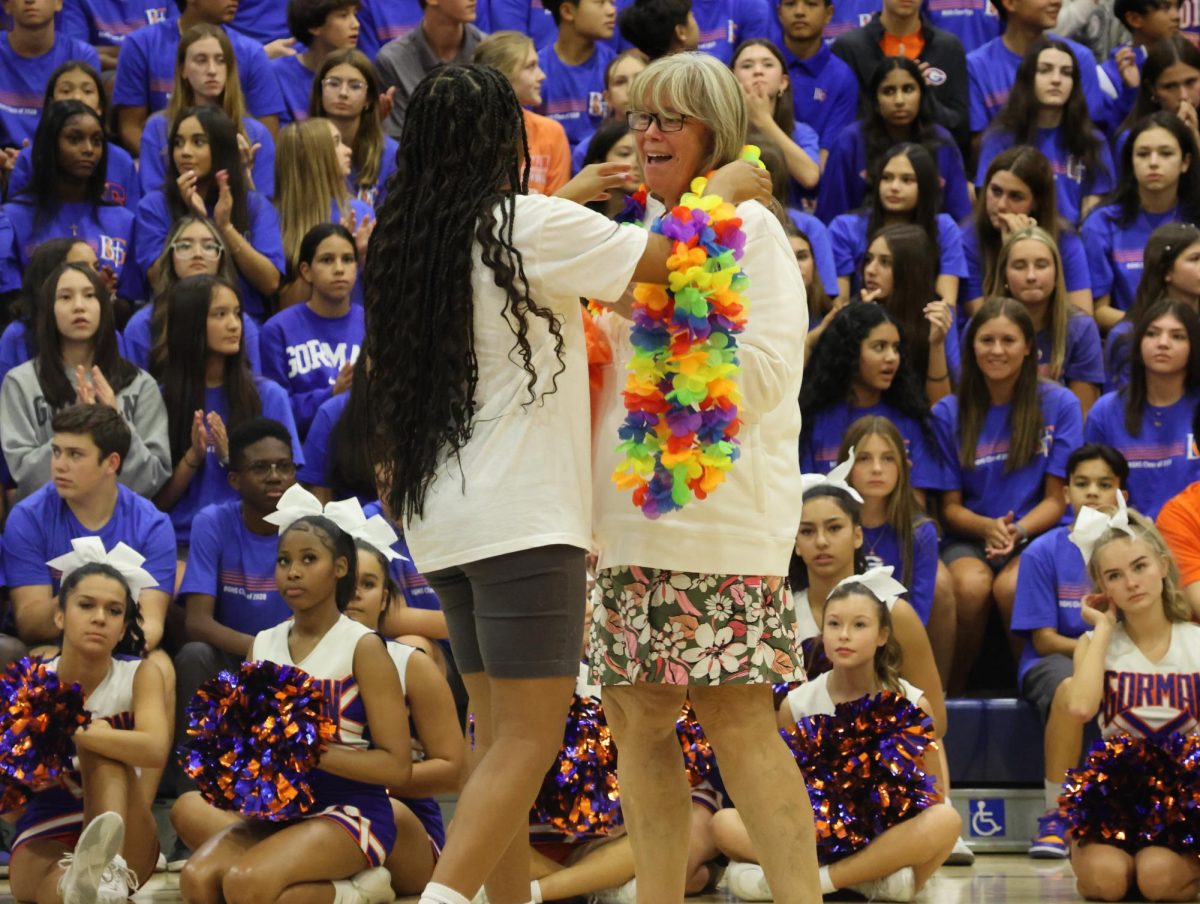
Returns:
(55,856)
(347,835)
(866,656)
(1142,646)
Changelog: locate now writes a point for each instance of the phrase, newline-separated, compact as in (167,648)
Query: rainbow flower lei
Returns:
(679,438)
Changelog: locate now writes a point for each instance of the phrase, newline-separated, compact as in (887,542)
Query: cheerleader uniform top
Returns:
(806,626)
(426,809)
(812,698)
(1144,698)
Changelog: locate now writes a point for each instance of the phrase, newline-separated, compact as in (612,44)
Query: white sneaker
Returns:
(747,881)
(371,886)
(899,886)
(622,894)
(85,866)
(117,883)
(161,865)
(961,855)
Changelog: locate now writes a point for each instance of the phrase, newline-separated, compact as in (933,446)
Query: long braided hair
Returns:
(462,162)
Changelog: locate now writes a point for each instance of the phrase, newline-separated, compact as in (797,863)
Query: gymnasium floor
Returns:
(995,879)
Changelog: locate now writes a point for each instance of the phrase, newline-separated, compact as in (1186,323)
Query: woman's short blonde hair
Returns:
(701,87)
(504,51)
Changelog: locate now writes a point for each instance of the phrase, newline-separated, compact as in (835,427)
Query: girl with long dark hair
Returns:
(208,390)
(904,189)
(1004,441)
(205,176)
(1047,109)
(901,110)
(1170,83)
(78,360)
(477,382)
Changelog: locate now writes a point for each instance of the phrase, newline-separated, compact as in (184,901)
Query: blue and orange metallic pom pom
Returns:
(579,795)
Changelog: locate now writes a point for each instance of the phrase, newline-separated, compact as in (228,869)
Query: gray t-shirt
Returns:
(402,64)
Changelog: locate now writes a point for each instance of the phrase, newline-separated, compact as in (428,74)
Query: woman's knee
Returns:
(250,883)
(1100,878)
(644,715)
(200,881)
(1162,875)
(972,584)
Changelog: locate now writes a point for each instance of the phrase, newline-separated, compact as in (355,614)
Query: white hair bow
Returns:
(126,560)
(878,580)
(297,503)
(835,478)
(1091,524)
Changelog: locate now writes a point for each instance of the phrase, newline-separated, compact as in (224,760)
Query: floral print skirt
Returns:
(674,627)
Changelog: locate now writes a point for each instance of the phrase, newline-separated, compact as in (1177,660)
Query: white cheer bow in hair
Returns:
(297,503)
(1090,525)
(878,580)
(126,560)
(835,478)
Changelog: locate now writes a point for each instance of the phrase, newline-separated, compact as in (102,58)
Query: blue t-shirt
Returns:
(848,16)
(210,483)
(973,22)
(1051,584)
(152,164)
(1116,355)
(823,431)
(295,84)
(1072,181)
(262,20)
(573,96)
(146,70)
(986,488)
(1084,360)
(417,592)
(154,223)
(380,21)
(992,69)
(15,350)
(1115,250)
(822,251)
(10,274)
(236,567)
(303,352)
(881,547)
(23,84)
(120,181)
(824,91)
(529,17)
(1075,265)
(317,446)
(844,182)
(109,230)
(373,194)
(107,23)
(1121,105)
(137,340)
(1162,459)
(726,23)
(41,527)
(848,235)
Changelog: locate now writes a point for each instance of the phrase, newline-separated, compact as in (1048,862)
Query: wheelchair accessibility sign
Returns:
(987,818)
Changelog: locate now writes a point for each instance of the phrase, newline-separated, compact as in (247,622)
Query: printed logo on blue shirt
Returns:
(153,16)
(596,105)
(1192,452)
(112,250)
(317,355)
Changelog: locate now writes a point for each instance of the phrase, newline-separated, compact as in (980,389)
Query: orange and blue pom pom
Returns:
(579,795)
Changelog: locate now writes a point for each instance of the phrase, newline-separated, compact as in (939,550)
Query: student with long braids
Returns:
(1149,420)
(206,75)
(1017,191)
(904,182)
(1170,269)
(205,176)
(346,92)
(861,368)
(503,393)
(1159,182)
(1030,270)
(1004,441)
(65,196)
(1047,109)
(900,110)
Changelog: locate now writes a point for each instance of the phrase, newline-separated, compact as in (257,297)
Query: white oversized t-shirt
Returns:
(523,480)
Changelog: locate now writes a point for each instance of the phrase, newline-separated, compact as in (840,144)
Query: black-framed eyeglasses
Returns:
(261,469)
(639,121)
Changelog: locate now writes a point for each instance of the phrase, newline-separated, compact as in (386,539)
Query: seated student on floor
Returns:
(1046,109)
(905,190)
(1004,439)
(78,359)
(205,176)
(899,109)
(1029,269)
(209,391)
(1050,585)
(1157,183)
(206,75)
(193,248)
(1149,419)
(1170,270)
(319,27)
